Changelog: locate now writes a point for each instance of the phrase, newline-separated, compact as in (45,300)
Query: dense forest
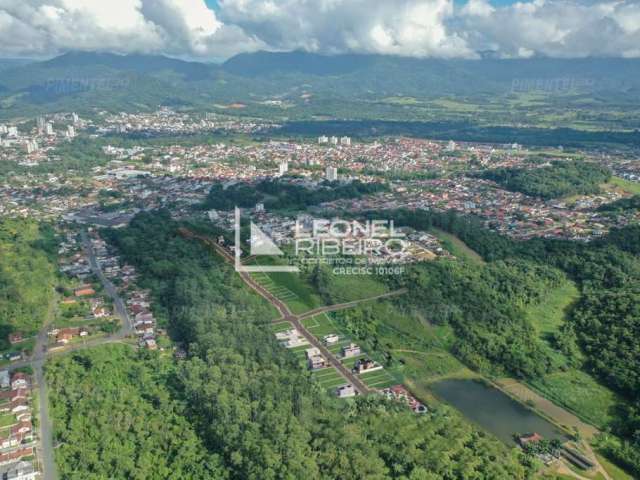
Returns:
(255,412)
(559,179)
(631,203)
(278,195)
(605,322)
(27,277)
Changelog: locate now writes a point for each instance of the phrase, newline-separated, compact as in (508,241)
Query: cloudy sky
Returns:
(216,29)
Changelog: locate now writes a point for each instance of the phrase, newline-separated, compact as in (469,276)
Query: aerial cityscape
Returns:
(390,239)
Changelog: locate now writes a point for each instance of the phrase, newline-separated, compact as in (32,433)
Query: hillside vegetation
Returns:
(27,277)
(560,179)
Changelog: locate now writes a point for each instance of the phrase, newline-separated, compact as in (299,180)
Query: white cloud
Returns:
(177,27)
(402,27)
(560,28)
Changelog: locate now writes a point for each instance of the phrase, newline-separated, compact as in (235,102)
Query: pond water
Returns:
(493,410)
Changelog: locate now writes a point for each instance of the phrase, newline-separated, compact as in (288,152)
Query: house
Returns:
(84,292)
(19,406)
(529,438)
(330,339)
(15,337)
(10,457)
(19,471)
(314,359)
(22,428)
(100,312)
(65,335)
(5,379)
(351,350)
(366,365)
(346,391)
(19,380)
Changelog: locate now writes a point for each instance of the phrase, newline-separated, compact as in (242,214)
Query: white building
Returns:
(5,379)
(346,391)
(19,471)
(48,130)
(31,146)
(284,167)
(323,140)
(12,131)
(41,122)
(451,146)
(332,174)
(346,141)
(71,131)
(334,140)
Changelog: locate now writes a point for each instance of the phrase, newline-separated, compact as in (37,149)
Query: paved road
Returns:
(40,354)
(296,320)
(49,469)
(118,303)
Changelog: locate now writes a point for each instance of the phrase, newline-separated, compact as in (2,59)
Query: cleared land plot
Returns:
(626,185)
(288,287)
(379,379)
(281,327)
(456,246)
(322,325)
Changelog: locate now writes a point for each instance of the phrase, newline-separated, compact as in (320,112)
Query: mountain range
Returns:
(306,85)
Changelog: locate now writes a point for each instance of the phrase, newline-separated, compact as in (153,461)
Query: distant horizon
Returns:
(45,58)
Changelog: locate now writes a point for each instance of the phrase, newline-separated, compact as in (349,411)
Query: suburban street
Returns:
(286,315)
(40,354)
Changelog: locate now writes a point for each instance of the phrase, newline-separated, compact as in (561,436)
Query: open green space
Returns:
(548,315)
(287,287)
(615,472)
(7,420)
(626,185)
(456,246)
(580,393)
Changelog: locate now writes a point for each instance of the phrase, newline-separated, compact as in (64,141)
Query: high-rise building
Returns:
(75,118)
(284,167)
(71,131)
(334,140)
(346,141)
(451,146)
(323,140)
(41,124)
(49,128)
(31,146)
(332,174)
(12,131)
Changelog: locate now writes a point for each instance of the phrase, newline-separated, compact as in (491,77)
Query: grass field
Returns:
(615,472)
(626,185)
(329,379)
(347,288)
(280,327)
(457,247)
(7,420)
(548,315)
(287,287)
(580,393)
